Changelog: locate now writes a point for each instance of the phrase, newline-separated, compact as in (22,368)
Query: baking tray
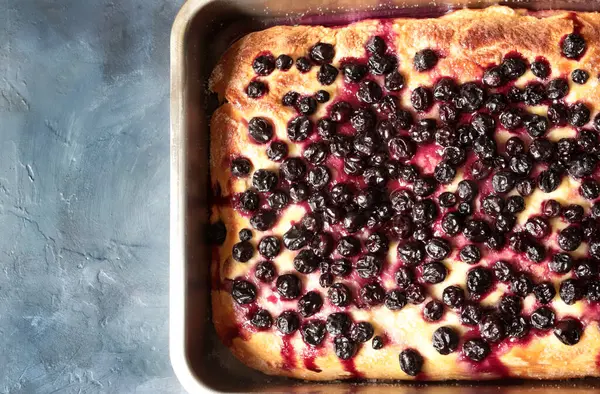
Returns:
(201,33)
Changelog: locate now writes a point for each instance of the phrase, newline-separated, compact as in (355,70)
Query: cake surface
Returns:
(410,198)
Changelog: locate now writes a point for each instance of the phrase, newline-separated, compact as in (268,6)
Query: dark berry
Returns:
(288,286)
(395,300)
(411,253)
(452,223)
(492,329)
(411,362)
(569,238)
(447,199)
(510,305)
(327,74)
(310,303)
(578,115)
(369,92)
(557,88)
(261,319)
(376,45)
(515,204)
(240,167)
(437,248)
(420,99)
(496,103)
(260,129)
(372,294)
(245,234)
(287,323)
(593,291)
(521,285)
(493,77)
(242,251)
(480,169)
(580,76)
(256,89)
(362,332)
(453,297)
(313,332)
(433,311)
(318,177)
(425,60)
(423,131)
(290,98)
(369,266)
(243,292)
(284,62)
(401,148)
(378,342)
(544,292)
(536,125)
(537,226)
(535,93)
(470,254)
(434,272)
(264,64)
(514,95)
(541,149)
(444,173)
(548,181)
(479,280)
(278,199)
(471,314)
(525,186)
(471,97)
(466,190)
(348,246)
(568,331)
(394,81)
(492,205)
(476,349)
(303,64)
(265,271)
(299,128)
(511,118)
(445,89)
(363,120)
(339,295)
(415,294)
(476,230)
(344,348)
(404,277)
(338,323)
(586,269)
(561,263)
(573,46)
(424,186)
(541,69)
(277,151)
(382,64)
(513,67)
(543,318)
(445,340)
(292,169)
(570,291)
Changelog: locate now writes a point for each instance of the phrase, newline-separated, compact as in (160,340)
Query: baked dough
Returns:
(470,41)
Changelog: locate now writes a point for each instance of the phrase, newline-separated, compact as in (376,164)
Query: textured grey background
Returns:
(84,181)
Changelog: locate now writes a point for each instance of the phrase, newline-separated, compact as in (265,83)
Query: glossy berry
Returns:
(264,64)
(544,292)
(395,300)
(290,98)
(378,342)
(437,248)
(580,76)
(470,254)
(362,332)
(415,294)
(369,92)
(284,62)
(404,277)
(496,103)
(511,118)
(243,292)
(344,348)
(578,115)
(453,297)
(425,60)
(535,93)
(256,89)
(445,89)
(521,285)
(322,96)
(541,69)
(476,230)
(303,64)
(313,332)
(354,72)
(571,291)
(382,64)
(411,362)
(568,331)
(277,151)
(372,294)
(394,81)
(493,77)
(543,318)
(569,238)
(479,280)
(476,349)
(445,340)
(433,311)
(339,295)
(338,323)
(369,266)
(434,272)
(537,227)
(471,97)
(471,314)
(513,67)
(561,263)
(288,286)
(573,46)
(310,304)
(240,167)
(287,323)
(548,181)
(421,99)
(299,128)
(492,329)
(510,305)
(573,213)
(411,253)
(242,251)
(261,319)
(557,88)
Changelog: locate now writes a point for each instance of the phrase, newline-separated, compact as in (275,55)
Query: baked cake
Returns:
(410,198)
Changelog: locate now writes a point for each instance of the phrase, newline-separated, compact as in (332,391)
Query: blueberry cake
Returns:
(410,198)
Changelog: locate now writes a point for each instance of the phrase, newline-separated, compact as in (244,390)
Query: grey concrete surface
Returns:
(84,183)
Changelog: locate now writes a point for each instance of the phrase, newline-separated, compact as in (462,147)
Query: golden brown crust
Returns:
(470,40)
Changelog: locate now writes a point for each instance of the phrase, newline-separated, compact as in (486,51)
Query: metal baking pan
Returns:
(201,33)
